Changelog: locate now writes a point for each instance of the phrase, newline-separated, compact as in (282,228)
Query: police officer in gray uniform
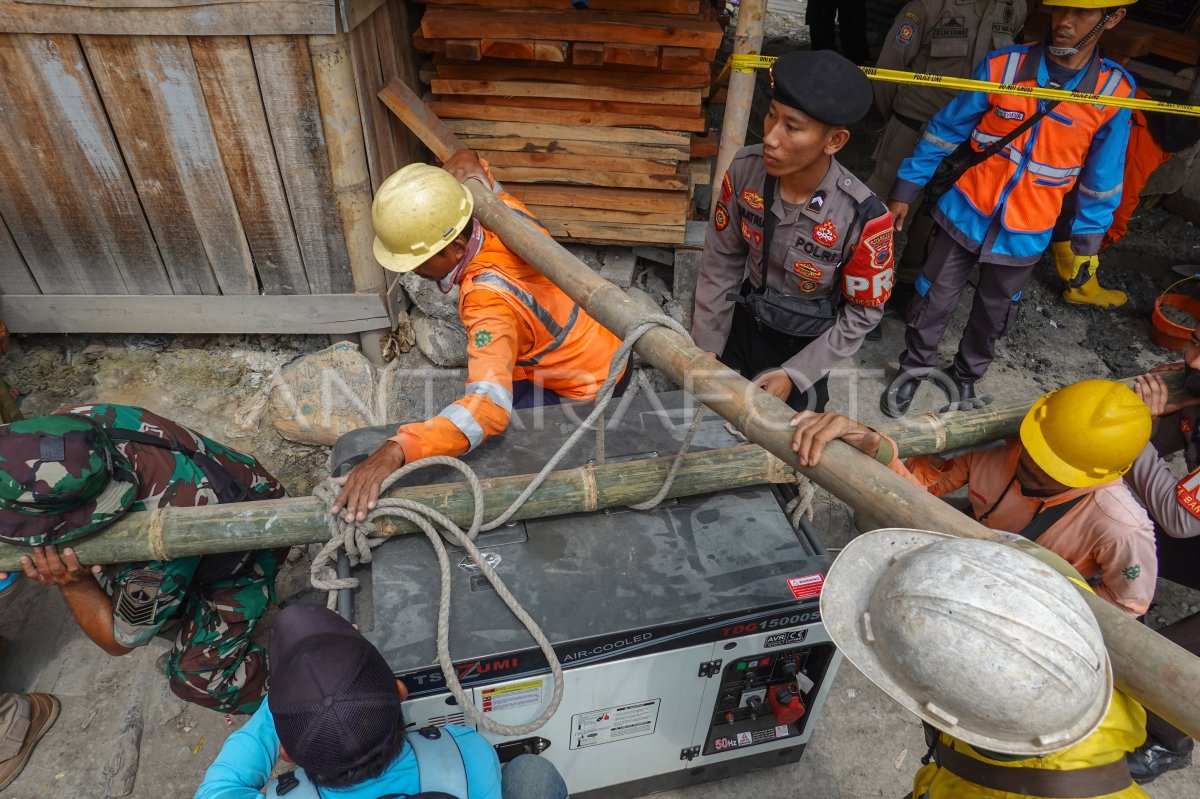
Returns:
(811,302)
(937,37)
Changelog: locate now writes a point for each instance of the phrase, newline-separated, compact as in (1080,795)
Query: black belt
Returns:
(1080,783)
(909,122)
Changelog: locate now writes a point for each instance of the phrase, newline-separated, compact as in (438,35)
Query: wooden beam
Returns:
(578,133)
(442,22)
(695,70)
(673,117)
(526,49)
(659,6)
(617,233)
(170,17)
(682,97)
(629,180)
(645,79)
(668,203)
(616,149)
(585,163)
(179,313)
(504,113)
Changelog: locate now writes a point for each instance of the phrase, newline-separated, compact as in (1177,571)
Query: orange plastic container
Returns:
(1166,333)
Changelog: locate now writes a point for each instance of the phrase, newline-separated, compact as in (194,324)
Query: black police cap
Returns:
(822,84)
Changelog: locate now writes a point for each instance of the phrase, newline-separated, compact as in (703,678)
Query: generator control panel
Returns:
(766,697)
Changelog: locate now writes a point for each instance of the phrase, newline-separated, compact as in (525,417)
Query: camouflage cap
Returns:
(61,478)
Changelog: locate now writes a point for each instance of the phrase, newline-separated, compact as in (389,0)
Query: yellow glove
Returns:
(1083,270)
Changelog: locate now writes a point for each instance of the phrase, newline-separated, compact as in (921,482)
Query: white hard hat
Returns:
(417,211)
(984,642)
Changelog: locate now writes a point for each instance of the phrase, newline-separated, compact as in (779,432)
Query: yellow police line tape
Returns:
(749,63)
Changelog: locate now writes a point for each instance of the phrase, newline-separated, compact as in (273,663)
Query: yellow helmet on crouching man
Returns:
(417,211)
(1086,433)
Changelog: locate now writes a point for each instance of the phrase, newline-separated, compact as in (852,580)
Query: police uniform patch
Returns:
(752,199)
(817,202)
(482,339)
(826,233)
(721,217)
(808,270)
(807,286)
(1008,113)
(905,34)
(1185,492)
(880,247)
(726,188)
(1185,425)
(754,237)
(1133,572)
(912,16)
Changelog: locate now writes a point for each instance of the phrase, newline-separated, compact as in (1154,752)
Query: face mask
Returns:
(447,284)
(1191,380)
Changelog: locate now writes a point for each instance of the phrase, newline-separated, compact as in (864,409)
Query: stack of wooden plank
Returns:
(591,117)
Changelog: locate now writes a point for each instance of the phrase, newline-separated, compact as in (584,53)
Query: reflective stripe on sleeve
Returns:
(461,418)
(493,391)
(941,144)
(1099,195)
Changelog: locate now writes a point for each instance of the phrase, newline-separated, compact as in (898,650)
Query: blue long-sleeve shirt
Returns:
(244,765)
(1099,182)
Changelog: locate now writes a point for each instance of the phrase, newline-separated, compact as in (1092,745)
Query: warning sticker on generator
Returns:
(806,586)
(507,697)
(751,737)
(612,724)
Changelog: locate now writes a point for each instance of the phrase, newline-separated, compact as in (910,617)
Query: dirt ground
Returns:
(864,744)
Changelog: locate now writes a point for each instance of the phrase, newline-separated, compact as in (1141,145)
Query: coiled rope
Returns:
(356,538)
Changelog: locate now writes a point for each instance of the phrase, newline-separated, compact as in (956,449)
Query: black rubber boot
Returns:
(1152,759)
(898,397)
(961,393)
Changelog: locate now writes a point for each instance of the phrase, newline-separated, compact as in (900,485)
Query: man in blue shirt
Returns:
(334,709)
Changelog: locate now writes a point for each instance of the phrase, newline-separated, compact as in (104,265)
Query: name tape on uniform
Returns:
(749,63)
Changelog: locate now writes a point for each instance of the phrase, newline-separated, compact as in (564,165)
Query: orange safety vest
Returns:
(520,326)
(1048,158)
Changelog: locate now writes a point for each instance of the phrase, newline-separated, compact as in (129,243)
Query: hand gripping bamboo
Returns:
(1161,675)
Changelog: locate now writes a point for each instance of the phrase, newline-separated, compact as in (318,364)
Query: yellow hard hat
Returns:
(418,211)
(1086,433)
(1088,3)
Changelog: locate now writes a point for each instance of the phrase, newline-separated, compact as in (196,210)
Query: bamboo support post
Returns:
(333,73)
(939,432)
(1161,675)
(747,40)
(168,533)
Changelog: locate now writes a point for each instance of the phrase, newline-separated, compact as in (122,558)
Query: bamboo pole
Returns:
(1161,675)
(747,40)
(333,75)
(168,533)
(938,432)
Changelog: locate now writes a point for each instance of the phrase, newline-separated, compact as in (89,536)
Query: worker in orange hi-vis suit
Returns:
(528,343)
(1153,138)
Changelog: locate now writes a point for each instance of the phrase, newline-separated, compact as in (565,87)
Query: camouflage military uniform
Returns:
(8,405)
(213,662)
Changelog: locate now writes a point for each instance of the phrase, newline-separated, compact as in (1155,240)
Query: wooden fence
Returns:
(184,166)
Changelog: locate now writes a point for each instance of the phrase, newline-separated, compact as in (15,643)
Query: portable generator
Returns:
(689,635)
